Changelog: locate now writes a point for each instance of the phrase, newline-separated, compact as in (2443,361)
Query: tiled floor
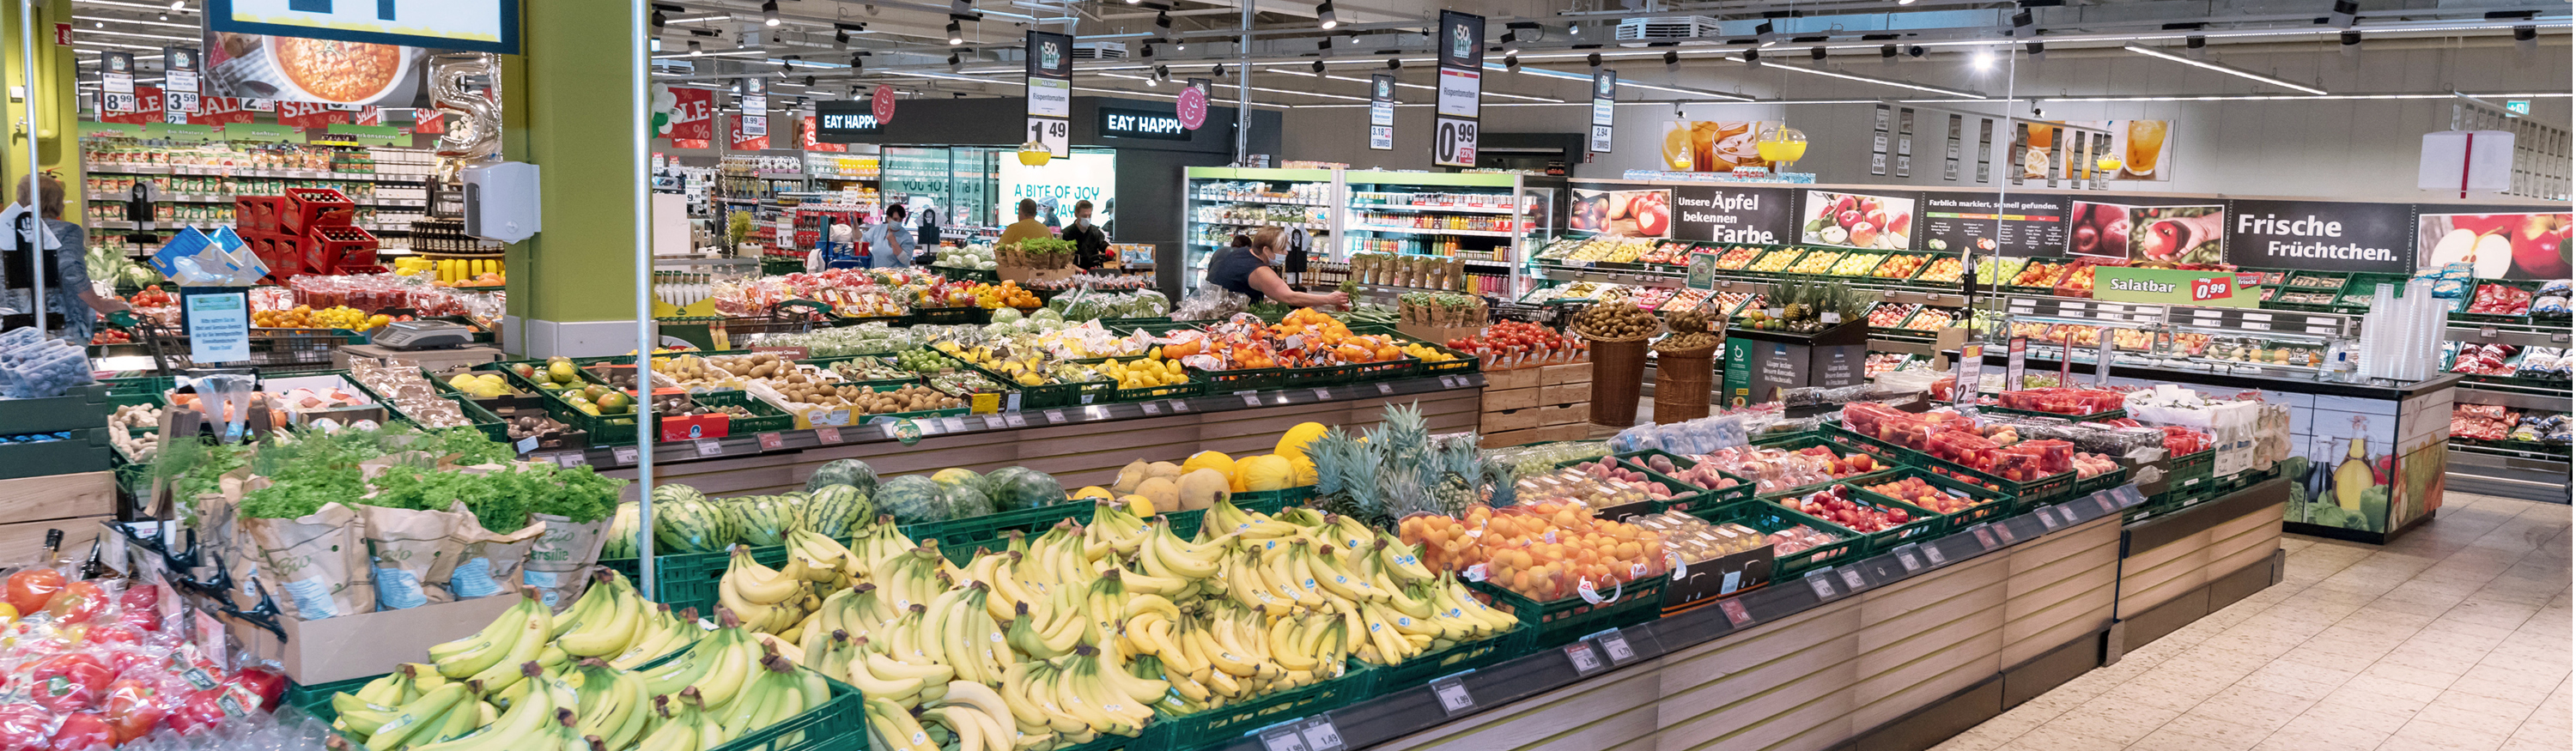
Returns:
(2454,637)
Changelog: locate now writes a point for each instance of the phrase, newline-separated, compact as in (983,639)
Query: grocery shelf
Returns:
(292,174)
(1436,209)
(1421,231)
(1272,201)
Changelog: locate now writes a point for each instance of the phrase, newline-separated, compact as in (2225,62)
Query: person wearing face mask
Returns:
(1090,245)
(1246,271)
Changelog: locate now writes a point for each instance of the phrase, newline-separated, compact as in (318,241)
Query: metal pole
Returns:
(639,93)
(1242,90)
(35,241)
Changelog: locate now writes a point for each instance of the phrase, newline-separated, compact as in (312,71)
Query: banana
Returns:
(423,715)
(534,623)
(757,583)
(896,725)
(724,678)
(610,627)
(1283,636)
(1400,558)
(386,690)
(476,644)
(591,606)
(517,728)
(675,731)
(970,734)
(901,690)
(889,668)
(494,644)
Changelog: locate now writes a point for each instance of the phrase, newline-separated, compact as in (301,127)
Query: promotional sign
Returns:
(1714,146)
(1703,270)
(2504,244)
(309,115)
(881,104)
(1131,123)
(753,95)
(1462,69)
(743,139)
(370,116)
(805,137)
(1050,91)
(473,25)
(309,69)
(1191,105)
(1622,213)
(147,108)
(1904,142)
(1057,186)
(2176,233)
(1734,214)
(1382,111)
(2315,236)
(116,83)
(839,122)
(1950,158)
(2174,287)
(179,83)
(1858,220)
(1880,118)
(693,117)
(1605,95)
(2022,225)
(220,110)
(218,327)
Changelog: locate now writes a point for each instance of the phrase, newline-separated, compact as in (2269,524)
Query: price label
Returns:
(1016,420)
(1476,572)
(953,424)
(1095,413)
(1586,662)
(1250,399)
(929,426)
(1905,557)
(1283,739)
(709,447)
(2104,500)
(1179,406)
(570,460)
(994,423)
(1056,416)
(1933,553)
(1615,646)
(1453,696)
(2047,519)
(1323,395)
(772,442)
(1851,580)
(527,444)
(623,454)
(1152,408)
(1985,537)
(1383,389)
(1822,583)
(2003,533)
(1734,610)
(827,434)
(1321,735)
(887,428)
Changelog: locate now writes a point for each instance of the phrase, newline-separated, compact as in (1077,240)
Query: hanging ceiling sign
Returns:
(1050,91)
(1605,93)
(837,121)
(1462,70)
(472,25)
(179,83)
(1129,123)
(1382,111)
(1191,105)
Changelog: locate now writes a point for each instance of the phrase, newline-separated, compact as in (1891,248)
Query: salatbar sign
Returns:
(2321,236)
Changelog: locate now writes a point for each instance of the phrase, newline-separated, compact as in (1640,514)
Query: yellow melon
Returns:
(1139,505)
(1267,472)
(1292,444)
(1093,491)
(1216,460)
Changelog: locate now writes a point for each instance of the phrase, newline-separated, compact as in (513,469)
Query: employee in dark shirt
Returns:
(1246,271)
(1090,245)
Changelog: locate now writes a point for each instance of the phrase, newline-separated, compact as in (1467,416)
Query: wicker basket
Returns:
(1618,372)
(1682,384)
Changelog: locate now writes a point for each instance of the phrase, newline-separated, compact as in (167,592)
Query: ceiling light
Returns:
(1219,70)
(1815,53)
(1574,28)
(1753,57)
(693,49)
(1982,58)
(2351,42)
(840,38)
(2526,38)
(788,64)
(809,81)
(178,6)
(1149,50)
(1593,60)
(1763,35)
(2036,50)
(1319,66)
(1512,63)
(956,33)
(955,62)
(1511,43)
(1887,52)
(1324,47)
(2227,69)
(856,58)
(1162,19)
(1324,15)
(2021,22)
(1672,62)
(769,12)
(658,19)
(1905,2)
(2344,13)
(1180,44)
(1915,51)
(1965,94)
(98,24)
(961,7)
(2195,43)
(1394,64)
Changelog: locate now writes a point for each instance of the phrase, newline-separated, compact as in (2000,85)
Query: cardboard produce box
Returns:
(356,646)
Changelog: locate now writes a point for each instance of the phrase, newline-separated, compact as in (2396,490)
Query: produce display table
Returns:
(1910,656)
(1079,444)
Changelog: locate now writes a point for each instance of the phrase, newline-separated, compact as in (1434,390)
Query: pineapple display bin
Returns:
(1683,381)
(1618,373)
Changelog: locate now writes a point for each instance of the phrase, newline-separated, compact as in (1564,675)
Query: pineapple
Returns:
(1793,298)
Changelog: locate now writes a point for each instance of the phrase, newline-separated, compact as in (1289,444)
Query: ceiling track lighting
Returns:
(956,32)
(2035,49)
(1149,50)
(1219,70)
(1512,63)
(809,81)
(2345,13)
(1672,62)
(1916,51)
(1753,58)
(857,59)
(768,12)
(658,19)
(1887,52)
(2021,22)
(1163,19)
(1593,60)
(2227,69)
(1816,54)
(1511,43)
(840,38)
(788,64)
(1324,17)
(1763,36)
(955,62)
(1319,66)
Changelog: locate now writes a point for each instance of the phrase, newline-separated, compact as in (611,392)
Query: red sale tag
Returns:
(2213,288)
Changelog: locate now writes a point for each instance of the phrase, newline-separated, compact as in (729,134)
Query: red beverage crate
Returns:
(333,249)
(280,252)
(315,207)
(256,213)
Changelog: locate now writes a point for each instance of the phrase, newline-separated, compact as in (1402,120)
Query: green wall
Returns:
(568,110)
(58,132)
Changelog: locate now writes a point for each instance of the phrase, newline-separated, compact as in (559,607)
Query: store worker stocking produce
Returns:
(70,302)
(1090,244)
(1247,271)
(1027,228)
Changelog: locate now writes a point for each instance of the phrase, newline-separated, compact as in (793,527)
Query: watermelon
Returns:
(912,499)
(621,532)
(835,511)
(965,502)
(764,519)
(1020,487)
(965,478)
(852,472)
(667,493)
(690,526)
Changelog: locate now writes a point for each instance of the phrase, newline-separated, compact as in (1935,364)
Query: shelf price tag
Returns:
(953,424)
(1152,408)
(2104,500)
(1933,553)
(624,455)
(1321,735)
(710,447)
(1822,583)
(1383,389)
(1733,607)
(571,459)
(827,434)
(1586,662)
(772,442)
(1250,399)
(527,444)
(1056,416)
(2002,531)
(1985,537)
(1615,646)
(2046,519)
(1282,739)
(1179,406)
(1016,420)
(1323,395)
(1852,582)
(1905,556)
(1453,696)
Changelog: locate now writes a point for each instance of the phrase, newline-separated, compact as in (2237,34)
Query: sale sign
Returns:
(147,108)
(805,139)
(2175,287)
(744,141)
(693,116)
(309,115)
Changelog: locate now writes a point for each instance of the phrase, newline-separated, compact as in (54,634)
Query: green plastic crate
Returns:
(1193,386)
(688,580)
(1767,517)
(1995,504)
(85,406)
(1457,658)
(1637,460)
(1567,620)
(2027,492)
(1030,521)
(838,724)
(949,316)
(1240,379)
(1218,726)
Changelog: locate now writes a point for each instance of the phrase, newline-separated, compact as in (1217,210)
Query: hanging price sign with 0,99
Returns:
(1054,133)
(1453,143)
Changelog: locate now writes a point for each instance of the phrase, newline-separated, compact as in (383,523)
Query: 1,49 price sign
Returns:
(1055,133)
(1454,144)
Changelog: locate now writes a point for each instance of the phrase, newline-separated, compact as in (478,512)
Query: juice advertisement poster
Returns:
(2144,147)
(1714,146)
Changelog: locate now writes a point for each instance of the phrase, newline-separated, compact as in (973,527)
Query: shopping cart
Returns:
(272,350)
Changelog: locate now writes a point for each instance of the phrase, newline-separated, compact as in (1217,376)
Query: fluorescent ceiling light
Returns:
(137,35)
(703,19)
(1880,81)
(1528,70)
(154,7)
(132,21)
(2227,69)
(726,53)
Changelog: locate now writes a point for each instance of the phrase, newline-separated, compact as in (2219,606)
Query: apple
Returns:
(1848,217)
(1900,223)
(2540,247)
(1864,235)
(2087,239)
(1844,203)
(1868,204)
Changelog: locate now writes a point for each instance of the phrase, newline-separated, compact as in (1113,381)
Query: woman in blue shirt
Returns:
(890,243)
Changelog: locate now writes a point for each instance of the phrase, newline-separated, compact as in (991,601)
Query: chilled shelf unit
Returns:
(1486,219)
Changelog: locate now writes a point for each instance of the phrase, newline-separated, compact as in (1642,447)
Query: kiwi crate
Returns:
(1536,403)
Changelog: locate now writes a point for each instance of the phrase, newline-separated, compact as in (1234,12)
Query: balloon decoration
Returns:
(666,110)
(469,84)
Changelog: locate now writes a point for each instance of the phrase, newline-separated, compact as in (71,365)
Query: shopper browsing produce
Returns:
(1027,228)
(1246,271)
(890,243)
(67,288)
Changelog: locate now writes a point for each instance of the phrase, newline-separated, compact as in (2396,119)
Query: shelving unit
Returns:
(198,182)
(1221,202)
(1489,219)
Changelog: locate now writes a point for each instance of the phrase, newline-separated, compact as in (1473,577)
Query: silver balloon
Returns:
(469,84)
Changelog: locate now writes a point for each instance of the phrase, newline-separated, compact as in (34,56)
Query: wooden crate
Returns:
(1573,432)
(1564,414)
(1513,438)
(1514,378)
(1580,372)
(1509,420)
(1565,393)
(1504,400)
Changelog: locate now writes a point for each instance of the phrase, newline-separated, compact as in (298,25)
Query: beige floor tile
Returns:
(1976,739)
(2045,738)
(2412,670)
(2373,692)
(2254,707)
(2451,736)
(2381,719)
(2215,729)
(2476,711)
(2319,737)
(2112,719)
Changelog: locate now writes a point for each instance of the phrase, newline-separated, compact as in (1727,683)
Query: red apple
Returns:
(1864,234)
(1848,217)
(1844,203)
(1901,223)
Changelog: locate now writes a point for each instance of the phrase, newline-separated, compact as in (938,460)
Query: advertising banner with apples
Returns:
(1869,221)
(2501,244)
(1644,212)
(1734,214)
(2312,235)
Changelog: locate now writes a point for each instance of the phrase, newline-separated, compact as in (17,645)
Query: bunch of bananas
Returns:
(734,682)
(786,601)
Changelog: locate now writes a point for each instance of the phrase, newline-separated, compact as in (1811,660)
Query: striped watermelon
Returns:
(621,532)
(835,511)
(852,472)
(764,519)
(912,499)
(690,526)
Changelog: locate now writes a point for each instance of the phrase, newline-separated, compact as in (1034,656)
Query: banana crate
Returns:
(960,538)
(1564,621)
(688,580)
(1457,658)
(1215,727)
(839,723)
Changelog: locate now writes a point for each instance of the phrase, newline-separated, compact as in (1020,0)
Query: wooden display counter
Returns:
(1536,403)
(1899,651)
(1081,445)
(73,503)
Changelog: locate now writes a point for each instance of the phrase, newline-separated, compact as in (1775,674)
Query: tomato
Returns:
(78,602)
(196,711)
(67,683)
(133,709)
(22,727)
(83,731)
(261,685)
(29,590)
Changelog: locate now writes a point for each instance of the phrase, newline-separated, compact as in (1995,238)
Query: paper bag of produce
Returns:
(411,546)
(559,564)
(318,562)
(486,562)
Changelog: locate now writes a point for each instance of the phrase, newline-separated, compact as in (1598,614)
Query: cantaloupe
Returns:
(1162,492)
(1292,444)
(1202,489)
(1131,475)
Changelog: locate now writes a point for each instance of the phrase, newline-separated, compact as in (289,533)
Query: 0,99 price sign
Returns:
(1455,142)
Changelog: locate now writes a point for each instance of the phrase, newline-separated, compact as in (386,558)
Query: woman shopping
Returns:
(1246,270)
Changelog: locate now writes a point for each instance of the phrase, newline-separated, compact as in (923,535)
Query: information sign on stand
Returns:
(753,95)
(1605,96)
(1050,91)
(1971,370)
(1462,71)
(1382,111)
(218,326)
(2016,362)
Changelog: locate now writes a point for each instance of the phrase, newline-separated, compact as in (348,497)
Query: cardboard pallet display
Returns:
(1532,404)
